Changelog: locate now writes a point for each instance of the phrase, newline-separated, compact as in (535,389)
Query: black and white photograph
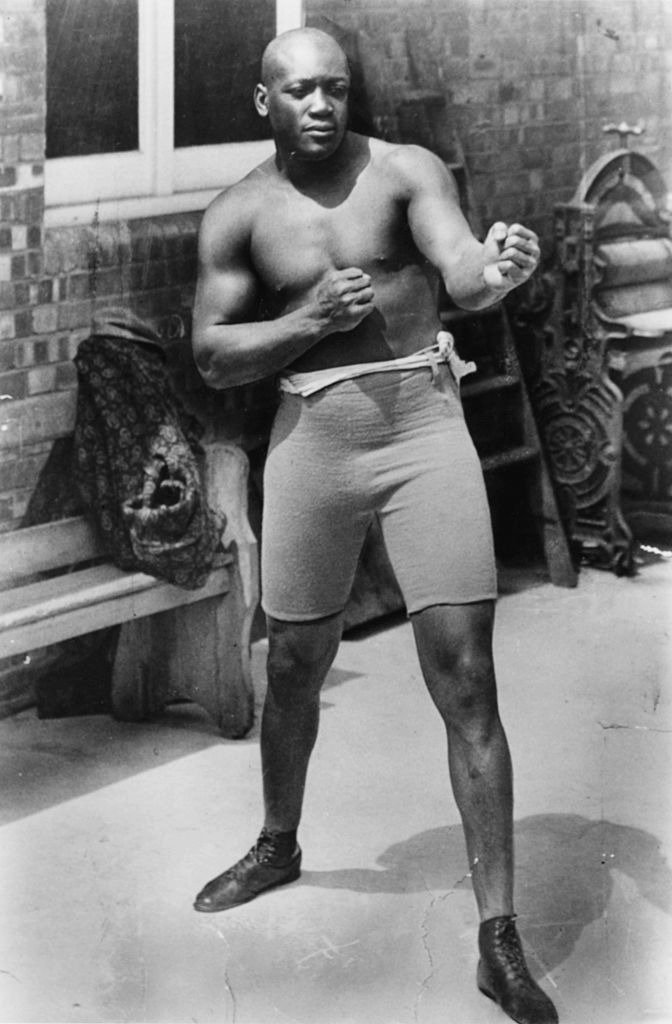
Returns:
(335,511)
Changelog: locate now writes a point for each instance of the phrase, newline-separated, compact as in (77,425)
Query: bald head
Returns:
(292,47)
(304,92)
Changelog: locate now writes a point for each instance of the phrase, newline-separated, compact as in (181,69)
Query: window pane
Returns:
(92,77)
(218,47)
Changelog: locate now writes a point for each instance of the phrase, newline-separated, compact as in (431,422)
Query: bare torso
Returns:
(299,234)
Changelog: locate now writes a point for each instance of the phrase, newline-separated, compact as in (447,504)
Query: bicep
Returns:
(439,228)
(224,294)
(227,289)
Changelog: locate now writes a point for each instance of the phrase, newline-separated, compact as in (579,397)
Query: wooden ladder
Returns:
(499,415)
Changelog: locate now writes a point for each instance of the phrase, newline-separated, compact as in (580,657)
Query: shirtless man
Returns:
(339,238)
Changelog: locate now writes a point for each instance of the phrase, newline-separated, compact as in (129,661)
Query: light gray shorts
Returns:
(392,445)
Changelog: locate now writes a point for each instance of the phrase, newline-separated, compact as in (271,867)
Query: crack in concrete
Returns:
(635,728)
(234,1003)
(329,951)
(464,878)
(227,983)
(424,932)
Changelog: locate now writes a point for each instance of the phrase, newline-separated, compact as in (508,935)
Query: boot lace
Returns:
(509,951)
(267,850)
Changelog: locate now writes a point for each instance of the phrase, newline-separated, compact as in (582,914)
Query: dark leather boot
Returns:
(260,869)
(503,975)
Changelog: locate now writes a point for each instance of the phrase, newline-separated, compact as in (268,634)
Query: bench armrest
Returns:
(226,477)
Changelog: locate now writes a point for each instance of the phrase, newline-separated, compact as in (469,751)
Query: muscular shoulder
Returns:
(227,222)
(410,168)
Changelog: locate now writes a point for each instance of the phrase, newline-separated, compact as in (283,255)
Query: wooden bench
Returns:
(58,583)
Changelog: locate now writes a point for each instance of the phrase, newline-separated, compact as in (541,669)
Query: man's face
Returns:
(306,100)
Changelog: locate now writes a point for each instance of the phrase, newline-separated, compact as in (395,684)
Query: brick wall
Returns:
(23,291)
(148,265)
(527,83)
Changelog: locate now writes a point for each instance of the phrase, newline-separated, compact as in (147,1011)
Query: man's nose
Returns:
(320,102)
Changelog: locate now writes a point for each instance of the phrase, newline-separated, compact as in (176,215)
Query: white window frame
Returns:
(157,177)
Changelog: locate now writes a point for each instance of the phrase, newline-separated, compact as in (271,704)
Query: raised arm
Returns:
(476,274)
(231,346)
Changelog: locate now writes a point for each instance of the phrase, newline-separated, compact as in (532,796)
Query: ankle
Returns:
(488,916)
(276,845)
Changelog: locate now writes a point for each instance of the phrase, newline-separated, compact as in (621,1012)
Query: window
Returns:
(149,102)
(92,77)
(216,71)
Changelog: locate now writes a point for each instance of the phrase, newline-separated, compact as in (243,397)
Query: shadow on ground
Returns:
(564,874)
(46,761)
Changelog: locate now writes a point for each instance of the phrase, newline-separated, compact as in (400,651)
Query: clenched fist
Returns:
(511,254)
(344,298)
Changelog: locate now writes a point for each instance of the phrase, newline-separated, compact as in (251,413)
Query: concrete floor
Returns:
(109,829)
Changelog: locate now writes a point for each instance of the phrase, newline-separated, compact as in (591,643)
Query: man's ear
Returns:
(261,100)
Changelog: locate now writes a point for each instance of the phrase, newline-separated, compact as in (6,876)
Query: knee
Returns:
(298,661)
(461,666)
(462,684)
(291,671)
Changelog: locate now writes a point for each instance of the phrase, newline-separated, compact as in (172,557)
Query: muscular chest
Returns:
(297,238)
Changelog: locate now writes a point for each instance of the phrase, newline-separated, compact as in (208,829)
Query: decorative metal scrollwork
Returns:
(579,436)
(602,393)
(647,416)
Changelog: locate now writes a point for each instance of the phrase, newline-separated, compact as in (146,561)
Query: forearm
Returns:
(228,355)
(229,352)
(472,283)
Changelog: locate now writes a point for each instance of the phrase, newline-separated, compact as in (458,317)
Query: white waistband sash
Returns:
(306,384)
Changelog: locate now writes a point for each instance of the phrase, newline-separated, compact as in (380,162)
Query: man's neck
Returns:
(337,170)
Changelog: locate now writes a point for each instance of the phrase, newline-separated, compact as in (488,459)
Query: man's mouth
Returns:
(319,130)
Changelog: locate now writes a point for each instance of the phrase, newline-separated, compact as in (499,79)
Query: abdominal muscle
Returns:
(404,320)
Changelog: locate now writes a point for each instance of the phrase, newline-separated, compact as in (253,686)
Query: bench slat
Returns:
(77,603)
(53,545)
